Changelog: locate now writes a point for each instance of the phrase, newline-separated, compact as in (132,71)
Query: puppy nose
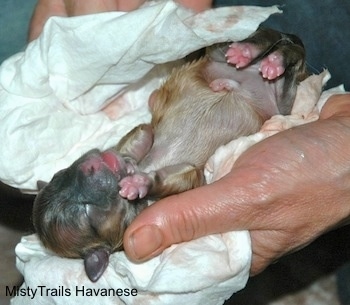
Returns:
(91,166)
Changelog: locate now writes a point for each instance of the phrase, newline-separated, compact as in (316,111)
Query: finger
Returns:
(337,105)
(199,212)
(196,5)
(129,5)
(267,247)
(86,7)
(43,11)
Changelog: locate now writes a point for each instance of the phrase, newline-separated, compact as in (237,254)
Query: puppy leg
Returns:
(279,53)
(137,143)
(164,182)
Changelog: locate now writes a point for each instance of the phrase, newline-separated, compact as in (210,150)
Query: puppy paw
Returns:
(271,66)
(241,54)
(135,186)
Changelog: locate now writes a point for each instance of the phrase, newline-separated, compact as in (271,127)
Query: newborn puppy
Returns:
(228,93)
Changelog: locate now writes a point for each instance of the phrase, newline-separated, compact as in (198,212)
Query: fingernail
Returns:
(145,241)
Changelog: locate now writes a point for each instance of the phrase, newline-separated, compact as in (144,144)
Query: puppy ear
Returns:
(41,184)
(95,263)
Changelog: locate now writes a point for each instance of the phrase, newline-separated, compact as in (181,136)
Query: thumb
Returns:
(44,10)
(210,209)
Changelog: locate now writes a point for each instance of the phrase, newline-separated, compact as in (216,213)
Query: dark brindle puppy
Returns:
(228,93)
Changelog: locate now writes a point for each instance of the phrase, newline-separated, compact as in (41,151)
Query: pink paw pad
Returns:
(133,187)
(271,66)
(239,54)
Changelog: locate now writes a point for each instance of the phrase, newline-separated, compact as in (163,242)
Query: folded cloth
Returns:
(51,97)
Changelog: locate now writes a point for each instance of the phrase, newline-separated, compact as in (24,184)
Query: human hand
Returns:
(286,190)
(48,8)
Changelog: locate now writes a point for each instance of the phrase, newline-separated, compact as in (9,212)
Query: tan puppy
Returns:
(226,94)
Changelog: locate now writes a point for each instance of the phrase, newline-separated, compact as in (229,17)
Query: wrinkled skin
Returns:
(287,190)
(65,8)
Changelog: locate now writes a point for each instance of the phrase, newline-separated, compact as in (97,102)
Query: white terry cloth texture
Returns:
(51,98)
